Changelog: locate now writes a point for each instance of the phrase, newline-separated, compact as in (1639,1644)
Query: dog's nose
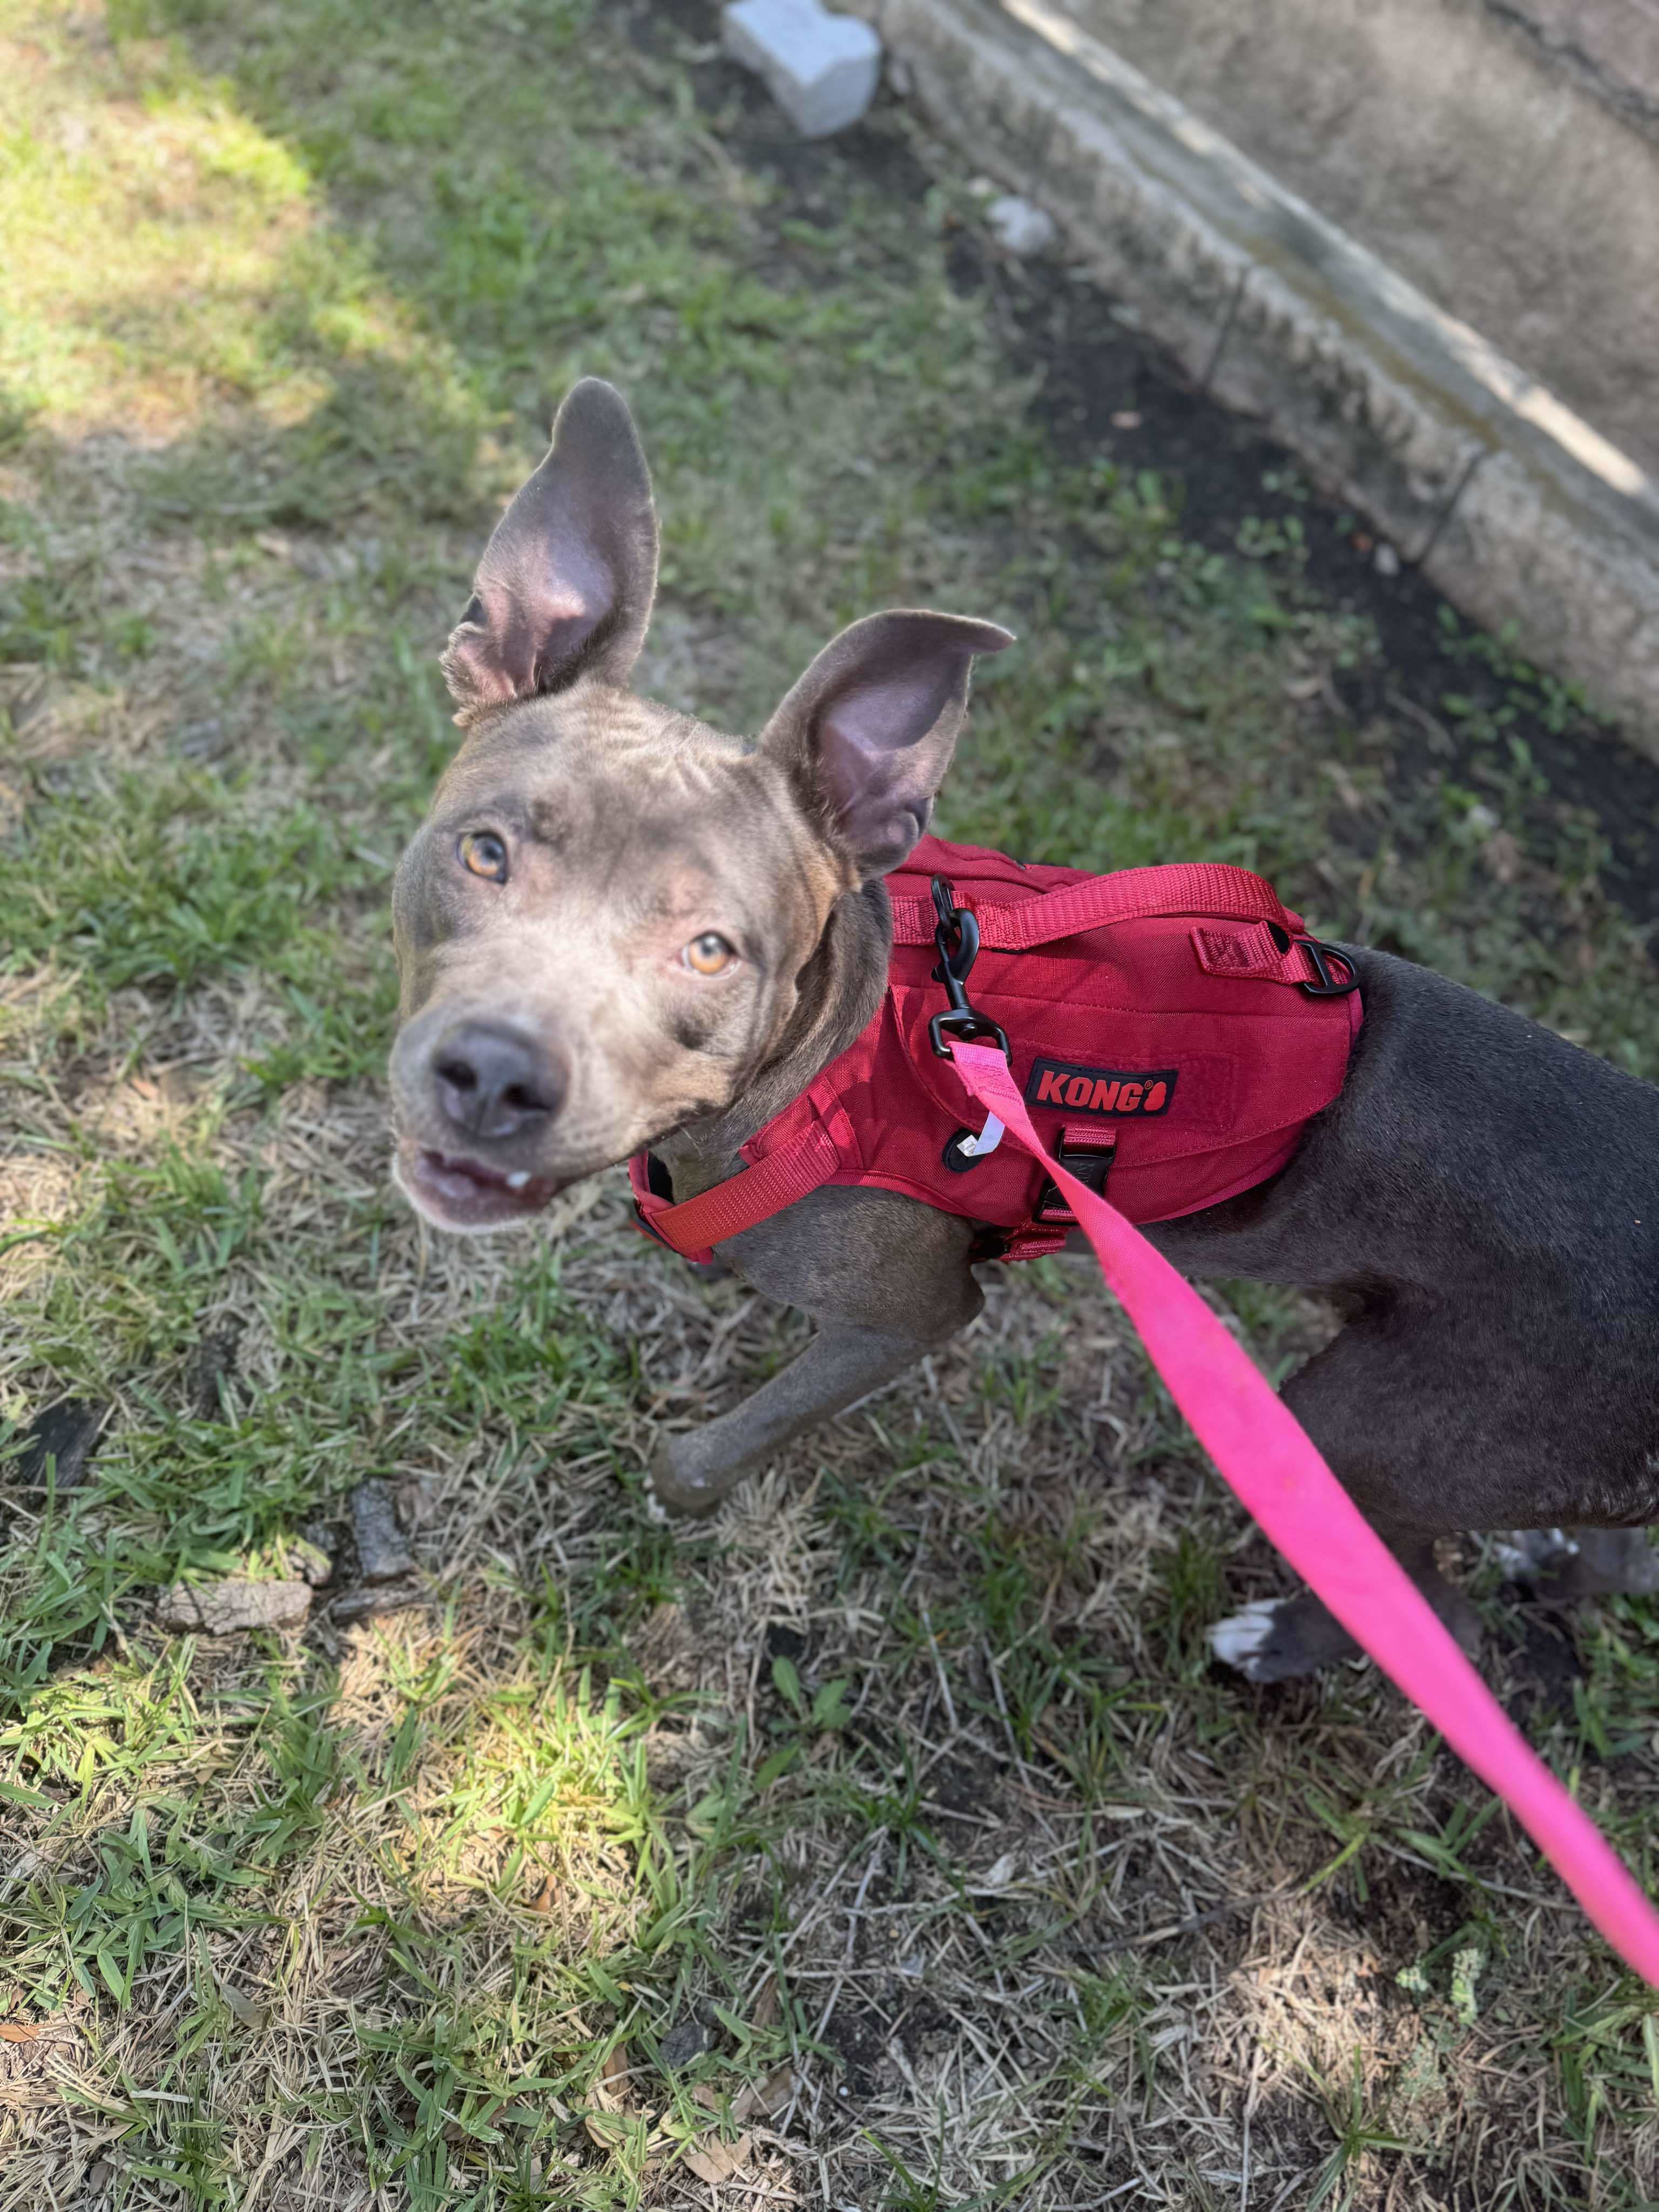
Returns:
(492,1083)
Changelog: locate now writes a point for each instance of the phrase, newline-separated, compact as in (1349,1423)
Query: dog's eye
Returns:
(709,954)
(483,852)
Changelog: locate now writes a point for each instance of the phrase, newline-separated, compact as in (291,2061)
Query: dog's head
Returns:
(601,925)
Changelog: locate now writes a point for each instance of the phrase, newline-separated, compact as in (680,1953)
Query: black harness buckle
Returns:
(957,939)
(1090,1161)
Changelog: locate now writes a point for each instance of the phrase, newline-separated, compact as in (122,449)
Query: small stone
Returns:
(367,1604)
(231,1608)
(821,69)
(59,1440)
(1385,560)
(687,2039)
(383,1556)
(1019,228)
(212,1366)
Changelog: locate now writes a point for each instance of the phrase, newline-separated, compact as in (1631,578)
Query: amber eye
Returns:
(709,954)
(483,852)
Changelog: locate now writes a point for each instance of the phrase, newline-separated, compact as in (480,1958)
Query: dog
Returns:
(620,928)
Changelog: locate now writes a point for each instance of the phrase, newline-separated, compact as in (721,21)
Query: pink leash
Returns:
(1264,1454)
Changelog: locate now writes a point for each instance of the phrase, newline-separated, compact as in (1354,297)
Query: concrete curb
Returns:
(1516,508)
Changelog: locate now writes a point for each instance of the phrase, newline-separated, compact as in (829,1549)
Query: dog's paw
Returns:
(1589,1563)
(1276,1638)
(1240,1639)
(673,1495)
(1525,1555)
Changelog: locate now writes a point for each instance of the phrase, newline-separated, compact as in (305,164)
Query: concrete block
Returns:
(821,69)
(232,1608)
(1514,507)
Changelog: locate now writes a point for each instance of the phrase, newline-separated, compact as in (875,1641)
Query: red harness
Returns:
(1171,1030)
(1173,1037)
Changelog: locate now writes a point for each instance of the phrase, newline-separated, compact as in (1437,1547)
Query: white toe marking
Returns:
(1237,1641)
(1522,1554)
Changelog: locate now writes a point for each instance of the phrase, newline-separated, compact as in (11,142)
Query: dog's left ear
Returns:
(867,732)
(565,587)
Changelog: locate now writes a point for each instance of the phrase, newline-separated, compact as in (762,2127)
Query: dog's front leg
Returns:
(691,1472)
(885,1278)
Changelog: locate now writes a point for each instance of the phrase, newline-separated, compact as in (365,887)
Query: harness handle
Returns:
(1200,887)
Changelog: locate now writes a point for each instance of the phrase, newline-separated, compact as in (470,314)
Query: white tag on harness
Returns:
(976,1148)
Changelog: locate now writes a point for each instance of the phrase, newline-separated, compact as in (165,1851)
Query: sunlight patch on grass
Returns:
(165,258)
(454,1847)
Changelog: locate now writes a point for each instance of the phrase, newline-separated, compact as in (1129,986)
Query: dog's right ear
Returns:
(565,586)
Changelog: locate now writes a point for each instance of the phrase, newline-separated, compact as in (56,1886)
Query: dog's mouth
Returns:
(458,1191)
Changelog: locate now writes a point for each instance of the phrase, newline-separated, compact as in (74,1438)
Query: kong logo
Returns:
(1100,1090)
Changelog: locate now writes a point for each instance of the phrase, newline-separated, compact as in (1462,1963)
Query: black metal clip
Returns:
(1328,986)
(957,939)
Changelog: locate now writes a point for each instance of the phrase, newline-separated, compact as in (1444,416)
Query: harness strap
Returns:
(696,1226)
(1205,887)
(1263,1454)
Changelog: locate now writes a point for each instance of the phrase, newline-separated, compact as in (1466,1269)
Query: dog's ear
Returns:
(867,733)
(566,582)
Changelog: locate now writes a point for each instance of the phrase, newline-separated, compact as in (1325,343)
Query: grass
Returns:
(889,1842)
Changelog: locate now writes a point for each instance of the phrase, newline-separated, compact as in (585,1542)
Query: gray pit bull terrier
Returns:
(620,928)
